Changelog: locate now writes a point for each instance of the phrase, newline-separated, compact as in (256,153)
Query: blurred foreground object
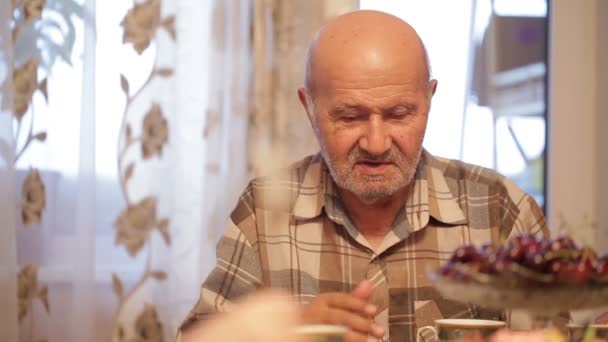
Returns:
(545,335)
(267,316)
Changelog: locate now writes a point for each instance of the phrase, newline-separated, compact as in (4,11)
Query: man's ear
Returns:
(433,86)
(306,103)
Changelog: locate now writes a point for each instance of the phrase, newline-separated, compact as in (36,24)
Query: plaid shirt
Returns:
(290,231)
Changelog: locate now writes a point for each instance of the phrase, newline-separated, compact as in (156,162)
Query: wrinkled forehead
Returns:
(367,61)
(371,73)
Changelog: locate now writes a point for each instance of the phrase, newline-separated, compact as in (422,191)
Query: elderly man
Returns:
(351,233)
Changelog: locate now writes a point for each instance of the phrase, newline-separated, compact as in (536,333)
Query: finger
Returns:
(474,337)
(354,322)
(602,319)
(364,290)
(347,301)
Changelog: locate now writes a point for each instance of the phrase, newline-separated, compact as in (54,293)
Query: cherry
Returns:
(562,248)
(503,266)
(488,263)
(536,261)
(520,246)
(487,248)
(486,256)
(560,257)
(515,253)
(561,243)
(556,266)
(461,276)
(601,270)
(584,271)
(466,254)
(532,252)
(559,269)
(482,266)
(521,239)
(447,270)
(532,246)
(574,273)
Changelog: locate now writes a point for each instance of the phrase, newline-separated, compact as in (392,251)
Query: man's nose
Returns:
(376,139)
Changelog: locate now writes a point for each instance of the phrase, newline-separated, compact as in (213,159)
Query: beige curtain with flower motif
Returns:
(8,257)
(282,31)
(39,274)
(127,132)
(123,138)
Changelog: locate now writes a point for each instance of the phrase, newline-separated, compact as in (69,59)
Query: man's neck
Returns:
(373,220)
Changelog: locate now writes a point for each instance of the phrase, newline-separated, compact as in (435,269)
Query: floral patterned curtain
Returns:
(282,31)
(122,146)
(127,132)
(36,37)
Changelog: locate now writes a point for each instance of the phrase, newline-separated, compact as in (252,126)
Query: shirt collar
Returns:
(311,195)
(430,196)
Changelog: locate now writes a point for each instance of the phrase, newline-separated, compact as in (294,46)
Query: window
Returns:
(493,97)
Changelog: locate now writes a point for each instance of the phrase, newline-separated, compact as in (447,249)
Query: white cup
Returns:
(455,329)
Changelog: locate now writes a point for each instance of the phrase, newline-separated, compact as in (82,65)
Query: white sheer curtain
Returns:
(47,171)
(8,253)
(125,236)
(212,156)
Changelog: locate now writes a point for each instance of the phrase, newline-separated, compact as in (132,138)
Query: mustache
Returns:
(360,155)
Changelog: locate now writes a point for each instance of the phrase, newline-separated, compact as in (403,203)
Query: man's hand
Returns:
(602,318)
(352,310)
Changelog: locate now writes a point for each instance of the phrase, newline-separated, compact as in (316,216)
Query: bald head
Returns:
(365,41)
(368,96)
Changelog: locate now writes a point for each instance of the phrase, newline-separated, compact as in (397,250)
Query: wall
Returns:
(602,120)
(577,155)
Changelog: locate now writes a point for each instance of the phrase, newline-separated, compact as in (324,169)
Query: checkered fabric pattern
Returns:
(290,231)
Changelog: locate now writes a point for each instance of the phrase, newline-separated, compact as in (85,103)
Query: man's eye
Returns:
(399,114)
(348,119)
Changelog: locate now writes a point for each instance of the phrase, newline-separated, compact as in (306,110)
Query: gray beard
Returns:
(370,193)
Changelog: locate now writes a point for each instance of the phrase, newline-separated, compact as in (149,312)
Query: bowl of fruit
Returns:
(542,276)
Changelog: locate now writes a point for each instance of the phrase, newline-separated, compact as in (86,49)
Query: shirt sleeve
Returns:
(237,273)
(530,218)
